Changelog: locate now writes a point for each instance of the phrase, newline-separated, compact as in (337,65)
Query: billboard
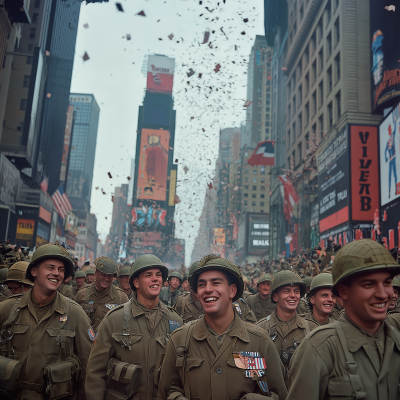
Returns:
(347,233)
(390,228)
(25,229)
(160,74)
(389,148)
(364,172)
(258,242)
(385,53)
(9,182)
(149,216)
(67,140)
(218,242)
(333,182)
(153,165)
(157,109)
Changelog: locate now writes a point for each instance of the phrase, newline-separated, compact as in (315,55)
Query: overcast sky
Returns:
(204,106)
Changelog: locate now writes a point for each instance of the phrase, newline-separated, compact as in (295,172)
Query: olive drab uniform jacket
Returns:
(66,290)
(190,309)
(5,292)
(76,290)
(142,342)
(261,307)
(98,303)
(169,298)
(319,367)
(394,320)
(130,294)
(314,323)
(286,335)
(336,310)
(211,372)
(36,340)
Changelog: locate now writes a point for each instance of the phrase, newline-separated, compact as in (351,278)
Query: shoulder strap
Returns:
(63,333)
(269,317)
(6,333)
(88,295)
(355,380)
(307,326)
(126,331)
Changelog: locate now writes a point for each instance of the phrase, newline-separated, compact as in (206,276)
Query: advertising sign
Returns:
(9,181)
(81,99)
(347,233)
(389,157)
(333,182)
(172,188)
(67,140)
(153,165)
(258,235)
(364,172)
(25,229)
(157,109)
(390,229)
(151,216)
(160,74)
(218,244)
(385,55)
(71,223)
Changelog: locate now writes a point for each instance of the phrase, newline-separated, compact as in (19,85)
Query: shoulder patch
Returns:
(243,300)
(115,309)
(256,330)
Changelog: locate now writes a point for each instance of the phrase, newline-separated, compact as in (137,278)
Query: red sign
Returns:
(364,172)
(160,74)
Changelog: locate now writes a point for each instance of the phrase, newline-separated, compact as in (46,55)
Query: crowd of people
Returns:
(324,326)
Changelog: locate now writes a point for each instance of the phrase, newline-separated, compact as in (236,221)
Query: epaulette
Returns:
(256,330)
(243,300)
(73,301)
(115,308)
(184,325)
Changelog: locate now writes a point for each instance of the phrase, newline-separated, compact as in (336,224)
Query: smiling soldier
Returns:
(44,337)
(131,338)
(261,302)
(123,280)
(219,356)
(358,356)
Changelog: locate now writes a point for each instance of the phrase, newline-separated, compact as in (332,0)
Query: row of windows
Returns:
(255,171)
(254,187)
(254,203)
(254,195)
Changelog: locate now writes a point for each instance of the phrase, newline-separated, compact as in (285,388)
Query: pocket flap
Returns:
(20,328)
(129,340)
(61,371)
(162,341)
(231,363)
(341,387)
(193,363)
(7,367)
(56,332)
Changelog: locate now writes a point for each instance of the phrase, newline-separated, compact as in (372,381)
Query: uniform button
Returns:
(218,370)
(151,372)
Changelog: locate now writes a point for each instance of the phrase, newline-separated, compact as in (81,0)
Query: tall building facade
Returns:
(83,148)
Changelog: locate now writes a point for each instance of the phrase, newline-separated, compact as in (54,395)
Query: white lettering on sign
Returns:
(260,233)
(260,242)
(261,226)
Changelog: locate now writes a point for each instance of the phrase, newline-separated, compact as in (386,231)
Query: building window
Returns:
(294,132)
(299,70)
(262,188)
(288,139)
(307,110)
(301,12)
(23,104)
(299,149)
(289,111)
(321,93)
(330,115)
(313,43)
(253,196)
(329,44)
(30,47)
(294,105)
(253,203)
(262,204)
(338,105)
(288,162)
(245,203)
(246,187)
(300,94)
(246,195)
(329,79)
(254,188)
(336,4)
(246,178)
(320,30)
(337,32)
(254,180)
(307,83)
(300,123)
(32,33)
(328,11)
(306,55)
(314,71)
(307,138)
(314,131)
(37,3)
(29,60)
(262,195)
(321,125)
(321,60)
(314,102)
(255,172)
(289,88)
(262,170)
(27,80)
(294,157)
(246,171)
(35,17)
(337,64)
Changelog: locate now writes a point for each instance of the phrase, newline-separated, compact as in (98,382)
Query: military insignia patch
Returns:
(111,306)
(254,372)
(238,309)
(263,386)
(63,318)
(174,325)
(249,360)
(91,306)
(92,335)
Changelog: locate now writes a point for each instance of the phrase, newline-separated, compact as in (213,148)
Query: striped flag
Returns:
(45,185)
(60,200)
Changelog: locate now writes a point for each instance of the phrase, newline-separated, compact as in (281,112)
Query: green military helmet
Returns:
(146,262)
(80,274)
(51,250)
(320,281)
(395,282)
(361,256)
(175,274)
(307,280)
(17,273)
(264,278)
(90,271)
(214,262)
(185,276)
(125,271)
(106,265)
(3,275)
(192,269)
(287,278)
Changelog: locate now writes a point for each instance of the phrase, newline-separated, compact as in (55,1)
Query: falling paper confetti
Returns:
(190,73)
(186,169)
(86,26)
(171,36)
(217,68)
(109,175)
(390,8)
(48,95)
(142,14)
(206,37)
(85,57)
(176,199)
(47,53)
(210,186)
(119,6)
(128,36)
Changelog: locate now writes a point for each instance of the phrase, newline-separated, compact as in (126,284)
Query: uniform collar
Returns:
(95,291)
(59,304)
(138,309)
(297,320)
(267,300)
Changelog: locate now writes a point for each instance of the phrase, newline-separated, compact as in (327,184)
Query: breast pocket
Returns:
(20,341)
(341,388)
(131,343)
(196,374)
(52,340)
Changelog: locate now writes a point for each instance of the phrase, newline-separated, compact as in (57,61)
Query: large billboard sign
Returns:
(389,157)
(67,140)
(385,55)
(160,74)
(153,165)
(218,242)
(333,182)
(258,235)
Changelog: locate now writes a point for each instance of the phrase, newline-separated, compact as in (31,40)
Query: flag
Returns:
(60,200)
(290,197)
(44,185)
(264,154)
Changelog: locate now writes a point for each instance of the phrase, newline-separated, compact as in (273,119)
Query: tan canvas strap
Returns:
(126,331)
(62,339)
(33,387)
(6,333)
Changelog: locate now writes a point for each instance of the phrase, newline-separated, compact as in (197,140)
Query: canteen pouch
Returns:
(123,380)
(59,379)
(10,371)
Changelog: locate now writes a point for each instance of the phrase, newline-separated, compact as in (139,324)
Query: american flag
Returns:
(60,200)
(45,185)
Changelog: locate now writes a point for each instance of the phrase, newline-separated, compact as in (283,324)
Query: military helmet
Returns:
(185,276)
(395,282)
(80,274)
(287,278)
(214,262)
(361,256)
(307,280)
(145,262)
(175,274)
(90,271)
(323,280)
(264,278)
(125,271)
(106,265)
(192,269)
(17,273)
(3,275)
(51,250)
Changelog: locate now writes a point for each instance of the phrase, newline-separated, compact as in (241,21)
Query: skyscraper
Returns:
(83,148)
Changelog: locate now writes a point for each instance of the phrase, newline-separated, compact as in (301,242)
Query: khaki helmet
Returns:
(17,273)
(145,262)
(307,280)
(175,275)
(3,275)
(264,278)
(287,278)
(320,281)
(51,250)
(106,265)
(90,271)
(214,262)
(80,274)
(361,256)
(125,271)
(192,269)
(395,282)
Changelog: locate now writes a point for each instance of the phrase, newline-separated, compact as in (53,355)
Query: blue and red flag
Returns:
(264,154)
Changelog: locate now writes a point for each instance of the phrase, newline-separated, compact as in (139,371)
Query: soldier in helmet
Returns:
(134,334)
(219,356)
(185,283)
(65,287)
(169,294)
(394,305)
(16,281)
(303,308)
(320,301)
(123,278)
(80,282)
(90,278)
(261,303)
(285,327)
(101,296)
(358,356)
(46,331)
(5,292)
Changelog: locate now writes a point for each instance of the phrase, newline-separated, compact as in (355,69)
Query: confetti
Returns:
(109,175)
(176,199)
(48,95)
(86,26)
(119,7)
(128,36)
(171,36)
(217,68)
(85,57)
(190,73)
(142,14)
(390,8)
(206,37)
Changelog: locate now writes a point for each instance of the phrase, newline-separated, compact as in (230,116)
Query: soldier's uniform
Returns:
(135,335)
(336,311)
(76,289)
(5,292)
(126,271)
(342,360)
(166,296)
(66,290)
(97,303)
(261,307)
(37,334)
(201,364)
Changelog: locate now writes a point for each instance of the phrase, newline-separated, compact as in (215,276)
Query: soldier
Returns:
(358,356)
(16,281)
(261,302)
(123,277)
(185,283)
(80,281)
(169,294)
(46,332)
(101,296)
(320,301)
(394,305)
(303,308)
(219,356)
(65,288)
(134,334)
(90,276)
(285,327)
(5,292)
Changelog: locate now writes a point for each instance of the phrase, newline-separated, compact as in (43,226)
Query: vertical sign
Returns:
(172,187)
(67,140)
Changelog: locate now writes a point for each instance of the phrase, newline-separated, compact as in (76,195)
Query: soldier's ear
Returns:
(233,291)
(136,282)
(34,272)
(312,301)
